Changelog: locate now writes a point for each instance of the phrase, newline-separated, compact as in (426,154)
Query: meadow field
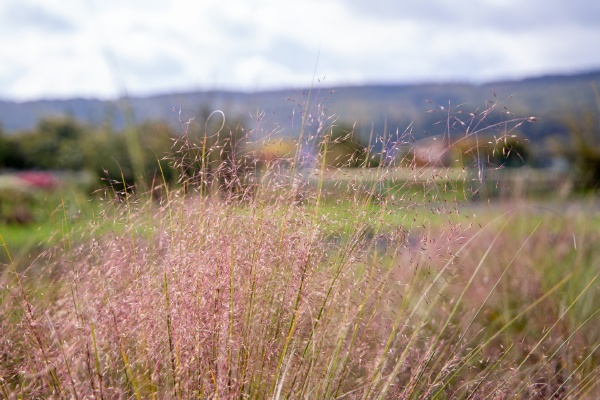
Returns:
(294,276)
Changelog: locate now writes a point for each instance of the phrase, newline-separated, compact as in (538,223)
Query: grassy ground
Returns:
(346,294)
(45,225)
(291,283)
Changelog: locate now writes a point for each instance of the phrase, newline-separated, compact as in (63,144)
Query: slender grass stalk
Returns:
(392,335)
(137,272)
(289,335)
(593,382)
(459,301)
(479,348)
(169,330)
(62,349)
(215,383)
(72,263)
(462,336)
(169,205)
(127,370)
(292,178)
(4,389)
(253,271)
(280,386)
(231,311)
(492,291)
(492,369)
(167,308)
(177,374)
(128,367)
(31,322)
(97,362)
(556,323)
(217,297)
(564,343)
(312,241)
(340,261)
(333,363)
(407,347)
(576,369)
(359,317)
(595,371)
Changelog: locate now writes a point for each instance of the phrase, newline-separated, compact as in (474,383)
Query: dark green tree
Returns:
(11,155)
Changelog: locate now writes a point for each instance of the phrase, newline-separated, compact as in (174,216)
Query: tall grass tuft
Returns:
(284,278)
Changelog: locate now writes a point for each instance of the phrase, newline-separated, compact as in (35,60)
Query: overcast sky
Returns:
(86,48)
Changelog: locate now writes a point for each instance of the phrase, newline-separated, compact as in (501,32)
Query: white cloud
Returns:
(54,48)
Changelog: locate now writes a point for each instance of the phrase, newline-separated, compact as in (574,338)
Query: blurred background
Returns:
(81,80)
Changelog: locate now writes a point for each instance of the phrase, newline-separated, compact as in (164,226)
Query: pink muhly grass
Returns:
(289,278)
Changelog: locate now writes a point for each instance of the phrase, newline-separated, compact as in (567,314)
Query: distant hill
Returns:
(549,98)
